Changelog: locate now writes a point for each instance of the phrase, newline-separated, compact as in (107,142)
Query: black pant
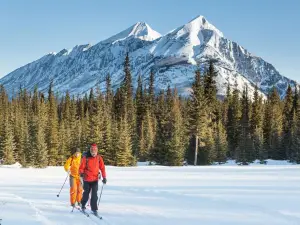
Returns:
(88,186)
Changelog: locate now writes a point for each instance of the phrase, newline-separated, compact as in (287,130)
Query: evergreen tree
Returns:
(287,121)
(175,154)
(107,130)
(86,134)
(148,137)
(52,128)
(127,90)
(41,145)
(295,154)
(118,105)
(109,94)
(225,105)
(140,112)
(64,148)
(221,146)
(17,127)
(8,145)
(159,151)
(94,127)
(210,87)
(198,114)
(296,101)
(273,126)
(233,122)
(245,148)
(127,106)
(151,93)
(256,124)
(107,143)
(124,147)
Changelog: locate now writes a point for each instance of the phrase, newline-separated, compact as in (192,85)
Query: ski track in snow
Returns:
(189,200)
(155,195)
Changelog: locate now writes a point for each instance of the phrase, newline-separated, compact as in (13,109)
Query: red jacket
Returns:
(90,167)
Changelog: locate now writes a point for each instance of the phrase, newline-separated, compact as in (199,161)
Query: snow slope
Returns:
(173,58)
(155,195)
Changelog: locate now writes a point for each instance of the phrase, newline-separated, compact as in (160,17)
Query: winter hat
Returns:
(93,145)
(75,150)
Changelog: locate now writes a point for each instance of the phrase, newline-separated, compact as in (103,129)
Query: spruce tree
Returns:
(276,133)
(108,94)
(160,148)
(64,148)
(273,126)
(175,155)
(287,121)
(41,145)
(94,127)
(107,143)
(127,105)
(256,122)
(127,90)
(140,113)
(296,101)
(148,135)
(8,144)
(210,87)
(198,111)
(295,151)
(221,146)
(295,154)
(151,93)
(124,147)
(107,128)
(245,148)
(3,116)
(52,128)
(233,122)
(225,105)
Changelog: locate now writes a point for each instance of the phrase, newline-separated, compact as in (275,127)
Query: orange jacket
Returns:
(73,164)
(90,167)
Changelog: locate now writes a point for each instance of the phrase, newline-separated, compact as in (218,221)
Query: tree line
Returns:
(140,125)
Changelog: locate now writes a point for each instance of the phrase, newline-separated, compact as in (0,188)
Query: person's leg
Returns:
(85,197)
(94,198)
(73,190)
(79,190)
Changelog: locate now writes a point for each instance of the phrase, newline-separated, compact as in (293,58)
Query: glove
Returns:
(81,175)
(104,181)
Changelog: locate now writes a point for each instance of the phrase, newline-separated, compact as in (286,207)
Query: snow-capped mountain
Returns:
(173,58)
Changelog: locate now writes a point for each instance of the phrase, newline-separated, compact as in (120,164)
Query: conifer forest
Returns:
(39,129)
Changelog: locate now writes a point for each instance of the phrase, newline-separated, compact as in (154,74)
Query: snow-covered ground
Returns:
(149,195)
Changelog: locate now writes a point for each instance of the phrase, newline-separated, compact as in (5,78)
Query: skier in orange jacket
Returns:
(72,166)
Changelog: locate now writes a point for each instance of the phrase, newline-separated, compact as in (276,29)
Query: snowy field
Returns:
(149,195)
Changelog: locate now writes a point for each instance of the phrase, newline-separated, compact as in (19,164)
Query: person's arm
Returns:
(82,165)
(68,164)
(102,169)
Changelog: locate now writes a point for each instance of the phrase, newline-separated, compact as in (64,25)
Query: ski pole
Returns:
(63,185)
(100,194)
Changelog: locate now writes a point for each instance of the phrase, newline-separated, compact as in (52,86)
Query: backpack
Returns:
(87,160)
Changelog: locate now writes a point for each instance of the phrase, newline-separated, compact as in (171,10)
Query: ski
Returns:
(83,212)
(96,215)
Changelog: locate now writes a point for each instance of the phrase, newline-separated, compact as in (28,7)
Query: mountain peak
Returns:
(200,22)
(139,30)
(173,58)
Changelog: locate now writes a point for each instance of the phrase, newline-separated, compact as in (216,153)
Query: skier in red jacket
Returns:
(91,164)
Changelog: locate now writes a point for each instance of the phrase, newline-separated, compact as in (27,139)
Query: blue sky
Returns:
(32,28)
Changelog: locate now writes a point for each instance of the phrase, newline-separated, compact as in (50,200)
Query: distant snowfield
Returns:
(149,195)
